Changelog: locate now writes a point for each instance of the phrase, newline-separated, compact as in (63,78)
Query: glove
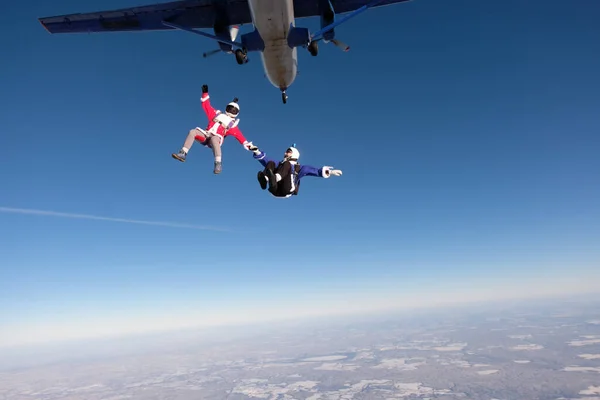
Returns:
(328,171)
(204,89)
(249,146)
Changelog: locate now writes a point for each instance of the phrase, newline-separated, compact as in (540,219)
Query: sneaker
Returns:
(179,156)
(218,167)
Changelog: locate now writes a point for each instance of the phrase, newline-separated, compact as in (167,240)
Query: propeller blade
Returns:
(340,44)
(234,32)
(210,53)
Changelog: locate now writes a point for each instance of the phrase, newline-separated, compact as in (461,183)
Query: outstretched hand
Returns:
(250,146)
(204,88)
(330,171)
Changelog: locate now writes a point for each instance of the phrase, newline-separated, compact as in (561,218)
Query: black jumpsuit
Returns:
(286,185)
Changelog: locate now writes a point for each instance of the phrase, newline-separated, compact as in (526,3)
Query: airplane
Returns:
(274,35)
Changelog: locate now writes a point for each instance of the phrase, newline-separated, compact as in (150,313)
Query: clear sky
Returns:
(468,133)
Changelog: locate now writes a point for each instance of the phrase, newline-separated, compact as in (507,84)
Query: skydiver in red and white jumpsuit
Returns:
(220,125)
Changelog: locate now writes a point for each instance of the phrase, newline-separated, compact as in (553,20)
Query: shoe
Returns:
(179,156)
(262,180)
(272,179)
(218,167)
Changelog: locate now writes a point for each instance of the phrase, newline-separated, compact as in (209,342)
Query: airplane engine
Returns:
(225,32)
(327,18)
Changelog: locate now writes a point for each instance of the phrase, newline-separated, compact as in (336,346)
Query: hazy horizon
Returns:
(323,306)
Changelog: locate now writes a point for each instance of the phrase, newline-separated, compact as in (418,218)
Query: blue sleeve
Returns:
(307,170)
(262,158)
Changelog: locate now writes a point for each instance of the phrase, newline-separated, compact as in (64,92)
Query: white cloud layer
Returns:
(436,294)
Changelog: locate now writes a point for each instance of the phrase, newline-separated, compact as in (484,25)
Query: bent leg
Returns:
(270,165)
(284,172)
(263,176)
(277,176)
(194,134)
(189,140)
(285,180)
(267,175)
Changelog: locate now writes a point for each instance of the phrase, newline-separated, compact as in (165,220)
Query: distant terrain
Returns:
(524,351)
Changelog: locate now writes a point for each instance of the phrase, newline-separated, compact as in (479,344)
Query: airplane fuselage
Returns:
(275,35)
(272,19)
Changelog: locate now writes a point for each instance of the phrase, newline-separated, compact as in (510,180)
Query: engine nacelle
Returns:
(222,31)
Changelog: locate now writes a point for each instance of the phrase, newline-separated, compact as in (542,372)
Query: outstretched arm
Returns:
(261,157)
(205,100)
(237,133)
(323,172)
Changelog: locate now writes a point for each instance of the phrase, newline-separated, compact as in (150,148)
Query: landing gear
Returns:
(241,56)
(284,97)
(313,48)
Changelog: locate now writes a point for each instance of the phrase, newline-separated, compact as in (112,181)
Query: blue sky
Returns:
(468,139)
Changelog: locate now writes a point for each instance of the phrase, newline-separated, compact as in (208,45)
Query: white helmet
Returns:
(295,154)
(233,109)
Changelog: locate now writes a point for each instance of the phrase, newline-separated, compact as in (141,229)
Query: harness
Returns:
(232,123)
(295,172)
(219,121)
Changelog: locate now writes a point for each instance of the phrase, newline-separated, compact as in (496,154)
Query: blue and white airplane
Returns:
(274,35)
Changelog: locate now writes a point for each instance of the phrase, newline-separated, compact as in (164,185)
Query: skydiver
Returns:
(283,177)
(220,125)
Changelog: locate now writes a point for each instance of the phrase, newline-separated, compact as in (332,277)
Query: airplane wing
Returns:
(188,13)
(310,8)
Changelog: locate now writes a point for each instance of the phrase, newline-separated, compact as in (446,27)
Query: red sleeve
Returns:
(235,132)
(208,109)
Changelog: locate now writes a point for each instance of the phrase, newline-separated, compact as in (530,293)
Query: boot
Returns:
(179,156)
(262,180)
(218,168)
